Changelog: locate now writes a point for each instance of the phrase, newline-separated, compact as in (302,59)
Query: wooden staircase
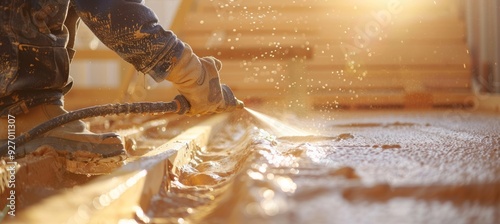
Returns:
(336,53)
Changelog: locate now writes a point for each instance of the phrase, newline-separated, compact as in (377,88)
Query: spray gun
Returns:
(179,105)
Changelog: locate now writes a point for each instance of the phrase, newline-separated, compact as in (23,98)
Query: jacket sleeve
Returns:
(131,29)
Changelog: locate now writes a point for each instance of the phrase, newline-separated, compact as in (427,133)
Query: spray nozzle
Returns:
(230,100)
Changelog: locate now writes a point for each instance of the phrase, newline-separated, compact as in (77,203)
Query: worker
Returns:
(36,47)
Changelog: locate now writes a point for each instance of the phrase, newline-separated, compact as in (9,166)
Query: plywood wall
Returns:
(337,53)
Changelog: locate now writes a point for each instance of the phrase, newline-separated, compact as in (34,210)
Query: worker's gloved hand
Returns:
(197,79)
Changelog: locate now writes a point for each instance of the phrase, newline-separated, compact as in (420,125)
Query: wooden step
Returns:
(297,22)
(379,57)
(417,34)
(392,56)
(369,100)
(353,5)
(431,80)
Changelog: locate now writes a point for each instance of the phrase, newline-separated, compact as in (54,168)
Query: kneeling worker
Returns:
(36,40)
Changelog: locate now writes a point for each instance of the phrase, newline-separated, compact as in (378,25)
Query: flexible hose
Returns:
(179,105)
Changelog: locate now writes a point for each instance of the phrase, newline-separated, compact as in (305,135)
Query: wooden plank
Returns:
(392,56)
(269,74)
(277,66)
(424,5)
(127,191)
(357,100)
(394,98)
(245,41)
(206,22)
(336,83)
(463,98)
(284,52)
(311,13)
(317,4)
(419,34)
(342,85)
(446,33)
(384,57)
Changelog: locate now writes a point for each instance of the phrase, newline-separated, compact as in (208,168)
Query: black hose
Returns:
(179,105)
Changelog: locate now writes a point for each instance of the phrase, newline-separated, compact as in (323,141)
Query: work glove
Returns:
(197,79)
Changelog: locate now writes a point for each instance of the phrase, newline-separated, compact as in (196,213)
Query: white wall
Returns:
(483,27)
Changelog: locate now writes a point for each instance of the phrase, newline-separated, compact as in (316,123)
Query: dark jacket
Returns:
(34,37)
